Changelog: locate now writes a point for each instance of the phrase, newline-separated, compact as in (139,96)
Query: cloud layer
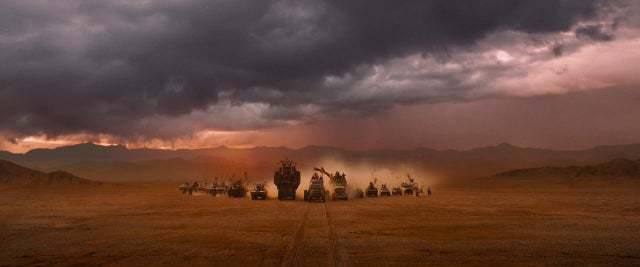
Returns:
(142,70)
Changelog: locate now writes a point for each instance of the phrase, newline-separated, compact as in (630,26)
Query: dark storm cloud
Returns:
(115,66)
(595,32)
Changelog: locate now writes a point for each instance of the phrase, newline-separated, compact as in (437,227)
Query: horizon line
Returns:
(502,144)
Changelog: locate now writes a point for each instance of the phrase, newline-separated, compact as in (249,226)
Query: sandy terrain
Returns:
(156,225)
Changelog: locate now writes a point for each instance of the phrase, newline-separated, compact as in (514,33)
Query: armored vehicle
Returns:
(316,190)
(372,190)
(236,190)
(340,193)
(287,179)
(259,192)
(396,191)
(338,182)
(409,187)
(384,191)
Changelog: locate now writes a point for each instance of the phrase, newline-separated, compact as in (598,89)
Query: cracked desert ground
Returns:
(142,225)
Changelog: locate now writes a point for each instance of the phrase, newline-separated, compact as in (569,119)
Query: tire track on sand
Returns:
(335,257)
(315,235)
(295,251)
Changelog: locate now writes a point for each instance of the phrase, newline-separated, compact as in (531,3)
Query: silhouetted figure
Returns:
(429,191)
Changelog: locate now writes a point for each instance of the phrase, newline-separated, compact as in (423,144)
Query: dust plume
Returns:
(360,174)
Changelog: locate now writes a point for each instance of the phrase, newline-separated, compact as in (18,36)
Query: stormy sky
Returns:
(357,74)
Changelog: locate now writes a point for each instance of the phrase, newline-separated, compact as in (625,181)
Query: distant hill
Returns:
(617,168)
(118,163)
(175,169)
(14,174)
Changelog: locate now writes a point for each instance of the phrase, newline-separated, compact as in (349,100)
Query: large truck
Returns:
(287,180)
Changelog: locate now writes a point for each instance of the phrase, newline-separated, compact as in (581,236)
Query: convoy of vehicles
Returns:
(287,181)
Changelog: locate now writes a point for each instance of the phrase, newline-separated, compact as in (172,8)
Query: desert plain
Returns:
(490,223)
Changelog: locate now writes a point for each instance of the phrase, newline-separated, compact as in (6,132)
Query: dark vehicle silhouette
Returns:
(184,187)
(338,182)
(316,190)
(237,190)
(287,180)
(259,192)
(384,191)
(372,190)
(409,187)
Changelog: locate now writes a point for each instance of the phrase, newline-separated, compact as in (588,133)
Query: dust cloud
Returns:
(360,174)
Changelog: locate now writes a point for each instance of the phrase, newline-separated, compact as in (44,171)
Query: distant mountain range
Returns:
(14,174)
(618,168)
(117,163)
